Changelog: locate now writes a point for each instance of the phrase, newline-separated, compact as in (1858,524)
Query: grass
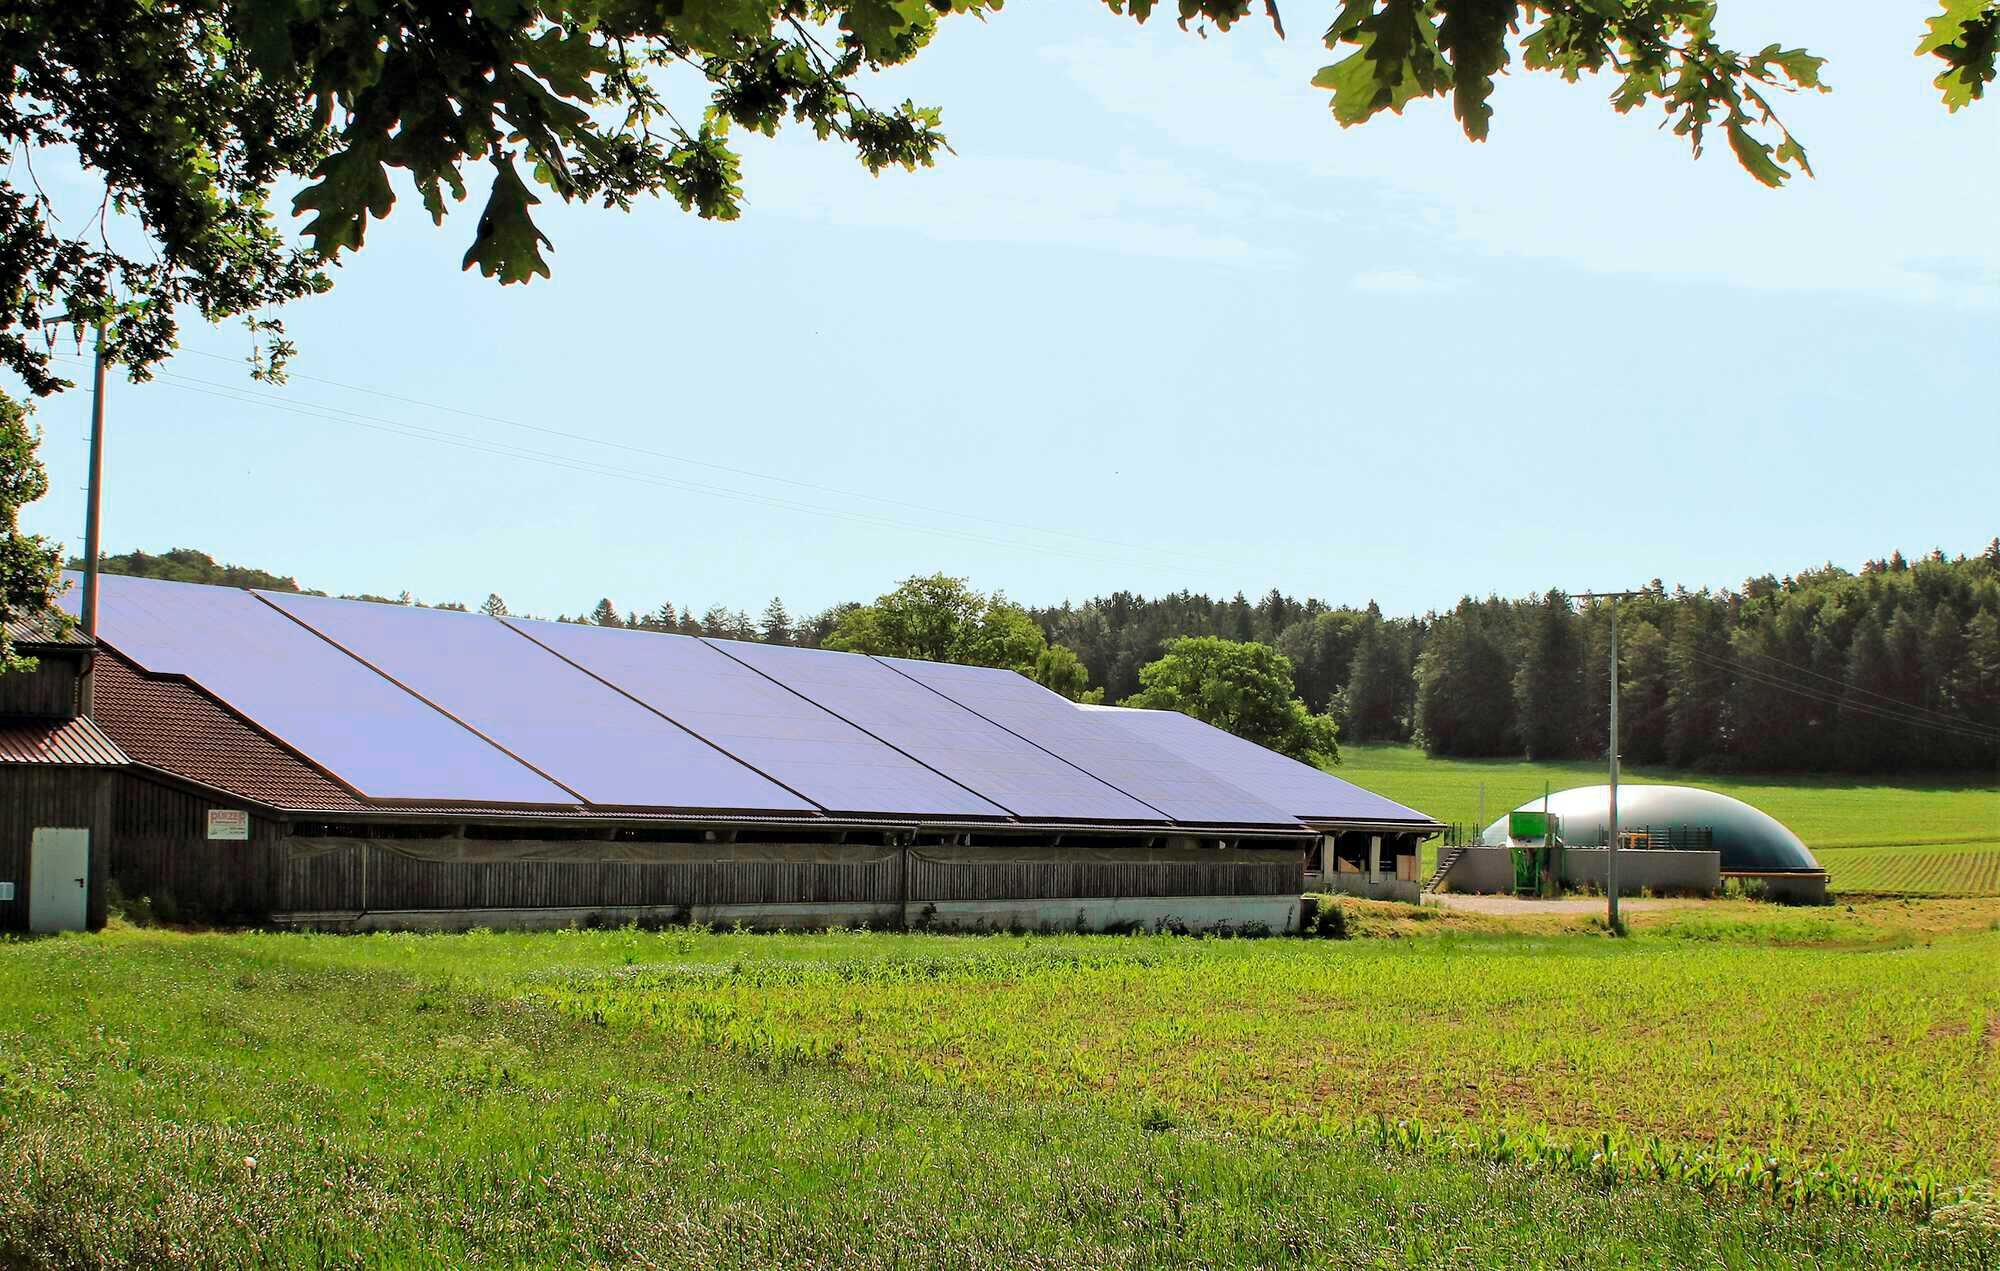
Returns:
(684,1098)
(1958,869)
(1828,812)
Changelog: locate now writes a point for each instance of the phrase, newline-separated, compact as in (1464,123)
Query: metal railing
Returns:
(1671,838)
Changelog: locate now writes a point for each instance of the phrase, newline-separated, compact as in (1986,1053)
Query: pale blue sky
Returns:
(1159,323)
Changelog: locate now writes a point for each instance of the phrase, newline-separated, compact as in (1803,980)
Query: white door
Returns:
(58,880)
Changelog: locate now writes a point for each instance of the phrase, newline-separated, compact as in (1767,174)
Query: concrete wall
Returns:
(1481,871)
(1275,914)
(1491,870)
(1409,891)
(1790,889)
(1699,872)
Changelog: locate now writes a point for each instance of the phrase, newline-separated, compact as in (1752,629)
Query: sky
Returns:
(1158,323)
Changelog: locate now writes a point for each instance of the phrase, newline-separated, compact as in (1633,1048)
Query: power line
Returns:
(1958,727)
(1846,685)
(671,457)
(334,414)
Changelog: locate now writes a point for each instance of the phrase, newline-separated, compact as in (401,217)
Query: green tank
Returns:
(1750,841)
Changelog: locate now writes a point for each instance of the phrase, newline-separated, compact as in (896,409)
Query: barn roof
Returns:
(57,742)
(346,706)
(44,631)
(170,725)
(1315,797)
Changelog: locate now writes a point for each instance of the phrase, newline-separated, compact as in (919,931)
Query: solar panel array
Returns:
(1162,780)
(759,721)
(1303,790)
(291,682)
(406,704)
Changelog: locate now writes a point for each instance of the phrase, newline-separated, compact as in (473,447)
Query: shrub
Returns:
(1328,921)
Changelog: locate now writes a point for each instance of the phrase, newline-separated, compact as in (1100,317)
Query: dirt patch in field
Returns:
(1993,1033)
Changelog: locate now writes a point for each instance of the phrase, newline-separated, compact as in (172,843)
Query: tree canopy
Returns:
(29,563)
(942,619)
(1242,688)
(194,115)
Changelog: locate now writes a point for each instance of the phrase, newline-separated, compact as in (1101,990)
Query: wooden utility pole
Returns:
(1611,844)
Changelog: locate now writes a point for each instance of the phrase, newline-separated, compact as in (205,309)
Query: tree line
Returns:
(1895,666)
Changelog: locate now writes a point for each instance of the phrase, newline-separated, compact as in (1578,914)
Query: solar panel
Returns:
(589,737)
(1300,788)
(942,735)
(344,717)
(1162,779)
(767,726)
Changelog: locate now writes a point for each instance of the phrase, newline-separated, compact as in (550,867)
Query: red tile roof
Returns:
(57,741)
(171,725)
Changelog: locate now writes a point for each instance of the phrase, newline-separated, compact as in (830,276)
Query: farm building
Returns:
(304,761)
(1672,838)
(1367,845)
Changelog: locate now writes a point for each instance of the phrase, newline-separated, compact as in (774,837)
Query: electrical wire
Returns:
(334,414)
(671,457)
(1846,686)
(1959,727)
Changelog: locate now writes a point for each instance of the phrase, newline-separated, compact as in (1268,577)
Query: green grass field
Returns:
(1832,814)
(1957,869)
(692,1099)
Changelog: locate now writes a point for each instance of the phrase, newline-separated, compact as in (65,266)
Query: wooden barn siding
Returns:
(160,848)
(48,690)
(32,796)
(335,882)
(340,880)
(931,880)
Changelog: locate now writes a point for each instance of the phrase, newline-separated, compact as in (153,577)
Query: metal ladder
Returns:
(1446,860)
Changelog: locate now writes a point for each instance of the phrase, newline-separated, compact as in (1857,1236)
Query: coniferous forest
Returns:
(1894,667)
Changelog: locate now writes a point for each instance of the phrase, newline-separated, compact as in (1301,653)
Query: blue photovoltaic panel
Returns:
(1182,790)
(942,735)
(310,695)
(769,727)
(596,741)
(1301,789)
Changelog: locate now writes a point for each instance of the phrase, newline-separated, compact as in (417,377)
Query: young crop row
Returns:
(1971,869)
(1869,1071)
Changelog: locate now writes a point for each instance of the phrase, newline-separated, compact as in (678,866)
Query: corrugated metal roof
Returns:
(72,742)
(170,725)
(44,630)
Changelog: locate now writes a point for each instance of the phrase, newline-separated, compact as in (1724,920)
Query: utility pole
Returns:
(93,507)
(1611,844)
(93,503)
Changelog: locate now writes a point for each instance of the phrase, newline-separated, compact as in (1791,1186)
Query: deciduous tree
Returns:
(30,565)
(942,619)
(1245,689)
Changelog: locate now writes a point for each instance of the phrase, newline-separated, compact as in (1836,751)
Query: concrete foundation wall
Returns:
(1790,889)
(1480,871)
(1699,872)
(1490,870)
(1277,915)
(1407,890)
